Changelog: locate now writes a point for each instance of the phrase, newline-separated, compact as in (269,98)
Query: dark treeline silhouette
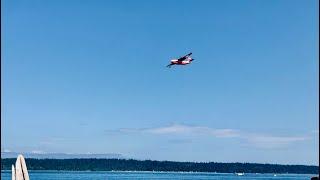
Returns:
(148,165)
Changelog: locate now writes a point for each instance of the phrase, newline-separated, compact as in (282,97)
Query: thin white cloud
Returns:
(225,133)
(265,141)
(271,142)
(184,130)
(176,129)
(38,152)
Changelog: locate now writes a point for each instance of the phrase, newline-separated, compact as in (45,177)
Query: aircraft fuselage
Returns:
(181,61)
(176,62)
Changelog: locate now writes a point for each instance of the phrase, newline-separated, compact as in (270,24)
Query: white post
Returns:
(13,172)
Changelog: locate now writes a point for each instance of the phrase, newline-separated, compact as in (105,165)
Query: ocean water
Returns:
(82,175)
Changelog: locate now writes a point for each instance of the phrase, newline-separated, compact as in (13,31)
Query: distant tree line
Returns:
(148,165)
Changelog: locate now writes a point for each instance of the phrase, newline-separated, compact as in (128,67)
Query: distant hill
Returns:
(60,155)
(148,165)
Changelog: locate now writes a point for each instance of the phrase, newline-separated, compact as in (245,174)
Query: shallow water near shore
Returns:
(81,175)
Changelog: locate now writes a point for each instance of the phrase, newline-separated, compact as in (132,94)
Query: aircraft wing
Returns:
(184,57)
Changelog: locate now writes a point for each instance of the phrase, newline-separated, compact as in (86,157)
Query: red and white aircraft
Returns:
(184,60)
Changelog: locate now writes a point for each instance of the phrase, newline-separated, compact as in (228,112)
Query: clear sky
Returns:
(83,76)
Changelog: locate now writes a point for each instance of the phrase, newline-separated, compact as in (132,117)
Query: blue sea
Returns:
(81,175)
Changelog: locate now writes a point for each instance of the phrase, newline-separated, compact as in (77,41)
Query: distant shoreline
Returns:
(159,172)
(130,165)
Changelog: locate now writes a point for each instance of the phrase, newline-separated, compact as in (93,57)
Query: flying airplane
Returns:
(184,60)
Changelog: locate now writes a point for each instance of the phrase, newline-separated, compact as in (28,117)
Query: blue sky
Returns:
(90,76)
